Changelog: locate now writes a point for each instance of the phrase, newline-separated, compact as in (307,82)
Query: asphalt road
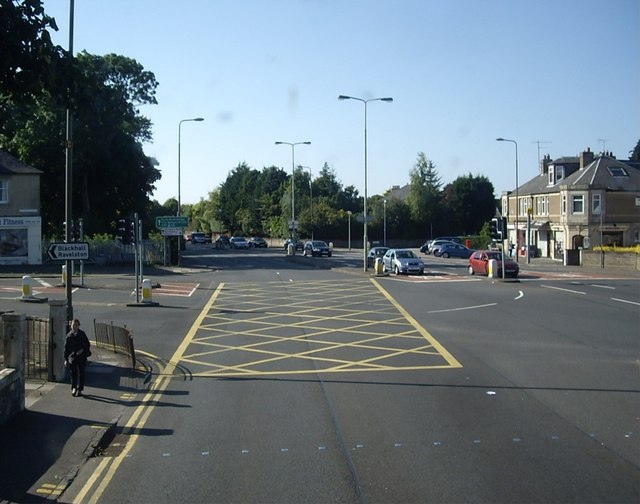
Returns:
(281,380)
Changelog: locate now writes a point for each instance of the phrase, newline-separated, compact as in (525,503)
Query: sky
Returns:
(555,76)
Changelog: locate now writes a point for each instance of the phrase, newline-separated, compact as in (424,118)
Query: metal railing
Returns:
(115,338)
(37,354)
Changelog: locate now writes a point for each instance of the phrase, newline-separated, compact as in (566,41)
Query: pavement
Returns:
(44,447)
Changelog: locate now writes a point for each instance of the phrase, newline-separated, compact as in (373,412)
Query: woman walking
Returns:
(76,351)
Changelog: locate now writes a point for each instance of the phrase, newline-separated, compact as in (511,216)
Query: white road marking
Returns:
(564,290)
(625,301)
(461,309)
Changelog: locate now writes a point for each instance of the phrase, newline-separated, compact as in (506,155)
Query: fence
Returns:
(36,348)
(115,338)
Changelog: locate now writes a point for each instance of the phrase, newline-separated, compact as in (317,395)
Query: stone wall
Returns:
(626,261)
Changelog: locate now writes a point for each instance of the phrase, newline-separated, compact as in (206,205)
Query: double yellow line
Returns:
(140,416)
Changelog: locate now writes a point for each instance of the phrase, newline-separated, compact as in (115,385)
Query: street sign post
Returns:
(172,221)
(78,251)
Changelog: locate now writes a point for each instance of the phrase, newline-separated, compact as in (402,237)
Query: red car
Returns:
(479,263)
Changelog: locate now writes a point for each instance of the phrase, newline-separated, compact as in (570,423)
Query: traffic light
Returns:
(503,227)
(124,234)
(132,231)
(495,229)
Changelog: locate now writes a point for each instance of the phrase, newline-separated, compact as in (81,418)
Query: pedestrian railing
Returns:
(37,348)
(115,338)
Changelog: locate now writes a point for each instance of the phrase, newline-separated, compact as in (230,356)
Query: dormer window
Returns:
(617,171)
(556,174)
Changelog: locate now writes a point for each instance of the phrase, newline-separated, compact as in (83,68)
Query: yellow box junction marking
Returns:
(310,327)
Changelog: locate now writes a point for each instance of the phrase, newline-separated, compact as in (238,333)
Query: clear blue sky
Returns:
(461,73)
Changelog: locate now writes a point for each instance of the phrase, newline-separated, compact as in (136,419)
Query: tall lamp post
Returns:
(310,197)
(345,97)
(384,213)
(293,187)
(349,213)
(196,119)
(517,200)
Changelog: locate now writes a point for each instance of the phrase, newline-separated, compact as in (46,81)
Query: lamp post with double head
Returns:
(517,200)
(384,206)
(345,97)
(194,119)
(293,187)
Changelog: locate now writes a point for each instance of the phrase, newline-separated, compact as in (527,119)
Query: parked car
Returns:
(316,248)
(298,245)
(257,242)
(452,250)
(436,243)
(222,242)
(427,247)
(402,261)
(238,242)
(198,238)
(375,253)
(479,263)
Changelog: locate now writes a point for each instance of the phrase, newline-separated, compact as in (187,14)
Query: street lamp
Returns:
(310,197)
(196,119)
(349,213)
(344,97)
(517,200)
(293,190)
(384,213)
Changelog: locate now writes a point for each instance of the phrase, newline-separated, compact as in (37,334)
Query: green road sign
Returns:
(172,221)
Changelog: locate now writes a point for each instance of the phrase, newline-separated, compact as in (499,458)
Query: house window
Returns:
(617,171)
(4,191)
(596,204)
(559,173)
(551,177)
(577,204)
(564,204)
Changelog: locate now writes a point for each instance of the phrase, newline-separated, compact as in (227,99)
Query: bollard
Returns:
(146,291)
(65,275)
(291,250)
(379,267)
(27,287)
(492,268)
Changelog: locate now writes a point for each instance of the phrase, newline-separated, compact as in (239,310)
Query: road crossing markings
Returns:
(245,332)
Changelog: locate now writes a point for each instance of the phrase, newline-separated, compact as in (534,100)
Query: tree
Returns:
(424,194)
(635,153)
(469,203)
(29,62)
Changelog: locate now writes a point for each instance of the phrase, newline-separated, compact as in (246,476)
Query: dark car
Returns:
(316,248)
(427,247)
(221,242)
(479,263)
(376,253)
(257,242)
(298,245)
(452,250)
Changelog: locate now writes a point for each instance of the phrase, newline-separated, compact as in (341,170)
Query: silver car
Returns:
(402,261)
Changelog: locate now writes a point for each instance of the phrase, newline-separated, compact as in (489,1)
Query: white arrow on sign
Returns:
(69,251)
